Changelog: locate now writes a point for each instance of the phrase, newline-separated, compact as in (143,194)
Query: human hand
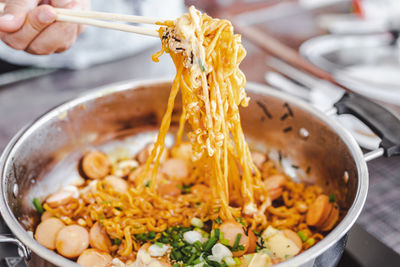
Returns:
(30,25)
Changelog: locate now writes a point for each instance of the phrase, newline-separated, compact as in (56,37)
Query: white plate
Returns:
(367,64)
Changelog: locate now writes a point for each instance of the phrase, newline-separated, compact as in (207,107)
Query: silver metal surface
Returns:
(332,111)
(374,154)
(22,249)
(114,112)
(295,74)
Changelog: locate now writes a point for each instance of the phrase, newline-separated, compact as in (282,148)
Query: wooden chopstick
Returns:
(96,19)
(108,25)
(108,16)
(276,48)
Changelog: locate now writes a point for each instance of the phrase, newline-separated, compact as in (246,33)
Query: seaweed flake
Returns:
(284,116)
(264,109)
(165,35)
(289,109)
(308,170)
(287,129)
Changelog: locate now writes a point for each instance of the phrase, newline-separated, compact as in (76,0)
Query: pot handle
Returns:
(22,249)
(380,120)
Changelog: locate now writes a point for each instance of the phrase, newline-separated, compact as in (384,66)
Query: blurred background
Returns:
(355,43)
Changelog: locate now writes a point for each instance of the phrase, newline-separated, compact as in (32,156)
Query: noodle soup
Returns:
(207,202)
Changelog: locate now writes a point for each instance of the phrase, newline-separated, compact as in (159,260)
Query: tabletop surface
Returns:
(22,102)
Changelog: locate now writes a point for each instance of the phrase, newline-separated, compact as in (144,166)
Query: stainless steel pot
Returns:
(307,143)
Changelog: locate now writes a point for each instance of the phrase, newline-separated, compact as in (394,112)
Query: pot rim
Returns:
(339,231)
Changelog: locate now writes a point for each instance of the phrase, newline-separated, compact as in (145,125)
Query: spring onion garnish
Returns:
(203,69)
(217,233)
(196,222)
(310,241)
(302,236)
(158,244)
(38,206)
(184,188)
(117,241)
(147,184)
(241,221)
(236,244)
(237,260)
(229,261)
(332,198)
(146,236)
(218,220)
(210,243)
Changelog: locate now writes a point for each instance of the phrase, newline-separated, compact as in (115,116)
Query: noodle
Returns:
(212,89)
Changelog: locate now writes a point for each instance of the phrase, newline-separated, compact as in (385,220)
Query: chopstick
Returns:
(276,48)
(108,16)
(94,18)
(108,25)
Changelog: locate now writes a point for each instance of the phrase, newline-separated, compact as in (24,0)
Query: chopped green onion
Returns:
(38,206)
(218,220)
(224,241)
(310,241)
(117,241)
(146,236)
(196,222)
(236,244)
(158,244)
(197,245)
(237,260)
(332,198)
(248,258)
(241,221)
(176,255)
(302,236)
(147,184)
(210,243)
(101,217)
(191,259)
(203,69)
(287,256)
(198,263)
(217,233)
(229,261)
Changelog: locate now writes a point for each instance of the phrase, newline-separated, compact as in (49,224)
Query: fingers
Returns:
(26,26)
(37,20)
(15,13)
(57,37)
(83,4)
(60,3)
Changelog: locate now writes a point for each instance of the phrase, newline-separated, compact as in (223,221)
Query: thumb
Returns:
(60,3)
(14,14)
